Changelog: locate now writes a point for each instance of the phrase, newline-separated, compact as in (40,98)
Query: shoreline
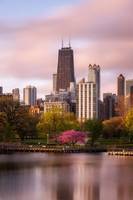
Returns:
(44,149)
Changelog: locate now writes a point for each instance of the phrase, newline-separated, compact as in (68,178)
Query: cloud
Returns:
(101,33)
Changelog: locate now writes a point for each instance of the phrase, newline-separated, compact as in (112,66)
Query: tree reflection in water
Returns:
(65,177)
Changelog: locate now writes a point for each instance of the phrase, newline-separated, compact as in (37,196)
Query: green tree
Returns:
(56,121)
(3,124)
(128,122)
(25,123)
(10,134)
(7,133)
(19,121)
(95,128)
(9,107)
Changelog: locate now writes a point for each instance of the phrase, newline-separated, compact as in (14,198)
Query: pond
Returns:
(42,176)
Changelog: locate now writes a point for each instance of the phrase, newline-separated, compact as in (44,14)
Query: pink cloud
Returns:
(102,29)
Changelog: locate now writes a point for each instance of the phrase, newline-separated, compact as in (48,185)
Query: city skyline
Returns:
(52,90)
(30,39)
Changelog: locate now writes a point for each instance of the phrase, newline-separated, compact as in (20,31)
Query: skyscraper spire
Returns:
(69,42)
(62,43)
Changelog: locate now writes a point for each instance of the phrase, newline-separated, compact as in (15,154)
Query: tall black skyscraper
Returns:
(121,94)
(109,105)
(121,85)
(65,70)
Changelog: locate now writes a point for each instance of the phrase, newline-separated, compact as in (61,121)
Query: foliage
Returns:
(95,128)
(128,122)
(15,121)
(113,128)
(25,123)
(56,121)
(3,124)
(72,137)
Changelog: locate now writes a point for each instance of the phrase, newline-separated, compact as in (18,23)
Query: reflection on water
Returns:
(65,177)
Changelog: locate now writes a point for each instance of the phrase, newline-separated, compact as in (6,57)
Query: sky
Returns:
(31,31)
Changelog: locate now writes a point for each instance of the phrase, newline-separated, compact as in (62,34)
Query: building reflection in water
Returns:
(66,177)
(85,186)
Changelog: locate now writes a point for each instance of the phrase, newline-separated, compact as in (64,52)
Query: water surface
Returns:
(37,176)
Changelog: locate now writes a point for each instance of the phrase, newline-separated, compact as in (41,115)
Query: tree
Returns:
(7,133)
(113,127)
(95,127)
(72,137)
(128,122)
(25,123)
(3,124)
(56,121)
(19,122)
(9,107)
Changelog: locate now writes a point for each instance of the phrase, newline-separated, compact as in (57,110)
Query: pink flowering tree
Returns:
(72,137)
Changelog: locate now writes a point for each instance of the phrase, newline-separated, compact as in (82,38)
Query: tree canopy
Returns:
(16,121)
(95,127)
(72,137)
(56,121)
(128,121)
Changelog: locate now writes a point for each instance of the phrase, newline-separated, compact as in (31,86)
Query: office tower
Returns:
(72,91)
(30,95)
(129,84)
(54,82)
(109,105)
(94,76)
(121,85)
(65,70)
(87,101)
(100,110)
(121,95)
(16,94)
(1,90)
(131,96)
(62,105)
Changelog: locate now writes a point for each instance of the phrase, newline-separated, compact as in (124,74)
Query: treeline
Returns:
(17,123)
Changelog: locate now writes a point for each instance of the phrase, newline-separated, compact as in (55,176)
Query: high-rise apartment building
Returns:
(87,101)
(65,70)
(30,95)
(16,94)
(121,95)
(94,76)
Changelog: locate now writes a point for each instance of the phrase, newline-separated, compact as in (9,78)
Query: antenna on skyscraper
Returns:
(62,43)
(69,42)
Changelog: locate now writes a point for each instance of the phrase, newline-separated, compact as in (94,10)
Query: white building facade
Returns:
(94,76)
(87,101)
